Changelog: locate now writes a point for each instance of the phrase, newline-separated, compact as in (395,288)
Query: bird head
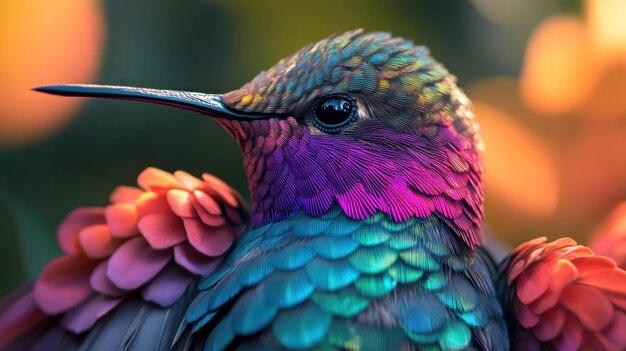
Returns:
(363,121)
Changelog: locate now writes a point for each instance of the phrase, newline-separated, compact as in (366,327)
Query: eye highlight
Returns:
(331,113)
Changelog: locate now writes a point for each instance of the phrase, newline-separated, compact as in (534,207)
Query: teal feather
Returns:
(331,275)
(455,336)
(220,337)
(292,257)
(252,271)
(251,313)
(287,289)
(302,327)
(334,248)
(402,241)
(423,314)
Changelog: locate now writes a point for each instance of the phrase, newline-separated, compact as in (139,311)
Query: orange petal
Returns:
(206,201)
(125,194)
(180,202)
(156,180)
(150,203)
(97,242)
(190,182)
(122,219)
(76,220)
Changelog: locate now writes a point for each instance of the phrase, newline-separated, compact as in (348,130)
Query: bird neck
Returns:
(401,175)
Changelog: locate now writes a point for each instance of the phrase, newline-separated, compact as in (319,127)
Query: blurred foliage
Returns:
(216,46)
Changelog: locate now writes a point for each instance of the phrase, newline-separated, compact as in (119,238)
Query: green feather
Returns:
(375,285)
(373,260)
(455,336)
(344,303)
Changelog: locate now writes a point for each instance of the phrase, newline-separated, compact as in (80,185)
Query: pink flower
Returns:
(152,241)
(565,297)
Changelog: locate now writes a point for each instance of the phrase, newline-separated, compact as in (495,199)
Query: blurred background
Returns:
(548,79)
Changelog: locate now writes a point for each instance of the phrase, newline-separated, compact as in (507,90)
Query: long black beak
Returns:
(208,104)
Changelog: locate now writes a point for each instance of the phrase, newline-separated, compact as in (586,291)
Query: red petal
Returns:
(533,282)
(156,180)
(162,230)
(195,262)
(564,273)
(122,219)
(180,203)
(591,307)
(64,283)
(67,234)
(208,240)
(125,194)
(135,263)
(97,242)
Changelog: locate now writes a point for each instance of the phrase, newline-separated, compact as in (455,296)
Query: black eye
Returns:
(333,112)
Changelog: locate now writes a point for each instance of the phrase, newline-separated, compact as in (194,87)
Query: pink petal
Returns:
(195,262)
(158,181)
(125,194)
(207,202)
(550,324)
(533,282)
(206,218)
(101,283)
(67,234)
(233,215)
(83,317)
(122,219)
(168,286)
(162,230)
(525,316)
(180,203)
(220,188)
(135,263)
(190,182)
(591,307)
(150,203)
(208,240)
(571,336)
(64,283)
(96,241)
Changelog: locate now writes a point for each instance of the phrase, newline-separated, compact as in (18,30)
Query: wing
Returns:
(560,296)
(610,238)
(127,264)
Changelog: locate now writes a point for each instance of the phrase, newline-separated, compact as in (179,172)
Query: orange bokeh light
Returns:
(558,69)
(607,27)
(520,173)
(44,42)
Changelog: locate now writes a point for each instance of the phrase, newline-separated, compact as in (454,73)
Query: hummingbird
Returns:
(363,160)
